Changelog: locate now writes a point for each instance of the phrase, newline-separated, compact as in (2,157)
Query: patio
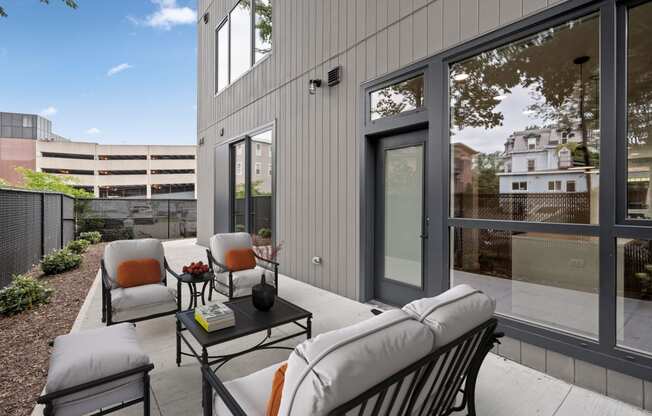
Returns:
(504,387)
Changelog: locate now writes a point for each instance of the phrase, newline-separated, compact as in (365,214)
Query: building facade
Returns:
(388,122)
(107,171)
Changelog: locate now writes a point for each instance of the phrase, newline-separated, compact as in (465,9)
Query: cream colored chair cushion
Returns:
(220,244)
(140,301)
(86,356)
(336,366)
(244,280)
(118,251)
(250,392)
(453,313)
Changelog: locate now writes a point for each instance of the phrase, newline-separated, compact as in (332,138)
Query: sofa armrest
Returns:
(211,382)
(268,261)
(169,269)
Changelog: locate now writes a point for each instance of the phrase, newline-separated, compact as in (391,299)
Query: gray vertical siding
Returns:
(317,161)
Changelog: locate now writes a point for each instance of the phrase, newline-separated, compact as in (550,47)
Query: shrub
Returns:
(23,293)
(92,237)
(78,246)
(265,233)
(60,261)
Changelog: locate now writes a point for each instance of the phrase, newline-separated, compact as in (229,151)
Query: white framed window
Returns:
(570,186)
(258,167)
(531,143)
(238,168)
(531,165)
(269,170)
(259,149)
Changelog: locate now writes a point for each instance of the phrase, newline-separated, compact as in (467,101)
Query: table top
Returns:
(248,320)
(191,278)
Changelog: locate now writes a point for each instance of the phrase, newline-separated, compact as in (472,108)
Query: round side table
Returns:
(192,281)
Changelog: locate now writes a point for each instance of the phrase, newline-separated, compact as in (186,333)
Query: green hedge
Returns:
(23,293)
(60,261)
(92,237)
(78,246)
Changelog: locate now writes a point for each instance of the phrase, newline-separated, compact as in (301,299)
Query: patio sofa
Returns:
(232,283)
(138,303)
(405,361)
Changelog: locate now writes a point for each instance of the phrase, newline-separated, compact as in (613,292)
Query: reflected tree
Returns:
(397,98)
(70,3)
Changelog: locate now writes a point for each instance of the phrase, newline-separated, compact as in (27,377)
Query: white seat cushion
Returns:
(81,357)
(140,301)
(118,251)
(334,367)
(220,244)
(244,280)
(453,313)
(251,392)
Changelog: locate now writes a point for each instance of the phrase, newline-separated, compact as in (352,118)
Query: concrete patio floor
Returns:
(504,387)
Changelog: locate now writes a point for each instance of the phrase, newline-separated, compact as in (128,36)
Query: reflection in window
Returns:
(222,57)
(263,30)
(639,112)
(240,20)
(528,111)
(238,178)
(398,98)
(548,279)
(261,190)
(634,289)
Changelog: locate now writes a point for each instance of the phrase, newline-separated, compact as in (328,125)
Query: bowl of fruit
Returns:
(195,268)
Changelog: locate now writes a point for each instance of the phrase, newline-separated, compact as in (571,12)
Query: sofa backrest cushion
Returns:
(119,251)
(453,313)
(220,244)
(335,367)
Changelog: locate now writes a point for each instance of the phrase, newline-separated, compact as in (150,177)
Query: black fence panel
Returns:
(123,219)
(31,225)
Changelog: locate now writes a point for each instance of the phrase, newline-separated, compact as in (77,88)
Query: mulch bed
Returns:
(24,337)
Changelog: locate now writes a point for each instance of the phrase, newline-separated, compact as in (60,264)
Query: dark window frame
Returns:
(252,55)
(248,154)
(612,223)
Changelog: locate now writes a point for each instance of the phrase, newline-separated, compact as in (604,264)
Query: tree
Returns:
(41,181)
(70,3)
(485,170)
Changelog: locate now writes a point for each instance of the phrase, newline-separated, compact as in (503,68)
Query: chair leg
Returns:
(146,393)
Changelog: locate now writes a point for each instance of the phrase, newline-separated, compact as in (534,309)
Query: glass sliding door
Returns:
(525,153)
(252,179)
(261,171)
(239,180)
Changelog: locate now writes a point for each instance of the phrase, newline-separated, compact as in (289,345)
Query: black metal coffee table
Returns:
(248,320)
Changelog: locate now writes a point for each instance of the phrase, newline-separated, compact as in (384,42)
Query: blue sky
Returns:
(112,71)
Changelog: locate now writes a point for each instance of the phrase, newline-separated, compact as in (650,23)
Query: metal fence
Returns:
(32,224)
(572,207)
(120,219)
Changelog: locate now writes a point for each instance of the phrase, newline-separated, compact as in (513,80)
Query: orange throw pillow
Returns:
(240,259)
(138,272)
(274,401)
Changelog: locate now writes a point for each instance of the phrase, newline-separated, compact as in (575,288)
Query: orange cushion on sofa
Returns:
(138,272)
(240,259)
(274,401)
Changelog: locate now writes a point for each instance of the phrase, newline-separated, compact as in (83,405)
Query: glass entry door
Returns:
(401,222)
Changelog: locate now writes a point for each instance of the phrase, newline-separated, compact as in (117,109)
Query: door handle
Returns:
(424,236)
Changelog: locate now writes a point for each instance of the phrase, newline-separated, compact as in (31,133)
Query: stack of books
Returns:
(214,316)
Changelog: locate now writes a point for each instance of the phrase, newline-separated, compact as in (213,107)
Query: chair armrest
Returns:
(169,269)
(81,387)
(215,384)
(106,283)
(272,262)
(212,261)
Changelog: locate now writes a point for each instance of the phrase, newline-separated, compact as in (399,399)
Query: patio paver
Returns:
(504,387)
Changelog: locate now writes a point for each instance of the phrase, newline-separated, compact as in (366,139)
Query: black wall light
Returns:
(313,84)
(205,17)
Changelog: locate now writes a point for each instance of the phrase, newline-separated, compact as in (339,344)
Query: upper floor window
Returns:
(244,38)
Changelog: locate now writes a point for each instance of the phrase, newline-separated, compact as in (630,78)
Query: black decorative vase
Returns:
(263,295)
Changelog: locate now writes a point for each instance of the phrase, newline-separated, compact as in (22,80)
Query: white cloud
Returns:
(169,14)
(93,130)
(119,68)
(48,112)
